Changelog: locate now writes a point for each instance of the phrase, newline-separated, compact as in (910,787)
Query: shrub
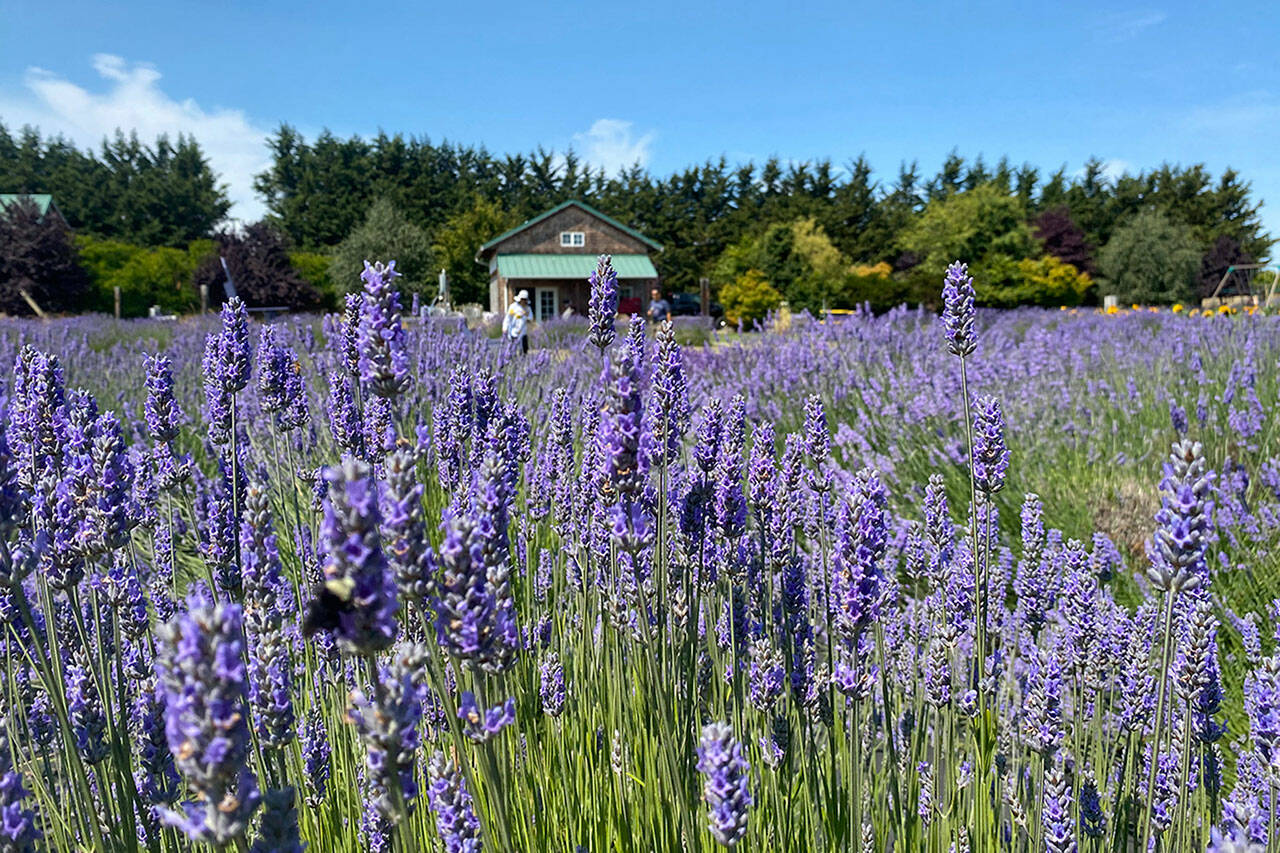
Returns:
(1063,239)
(37,256)
(748,298)
(1002,282)
(146,277)
(970,226)
(314,268)
(385,235)
(260,268)
(1151,260)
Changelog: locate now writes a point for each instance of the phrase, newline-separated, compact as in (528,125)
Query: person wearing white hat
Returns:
(515,325)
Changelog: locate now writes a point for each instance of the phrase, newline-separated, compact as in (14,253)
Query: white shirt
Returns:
(517,318)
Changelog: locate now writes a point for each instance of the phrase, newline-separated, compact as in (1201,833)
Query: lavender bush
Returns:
(984,582)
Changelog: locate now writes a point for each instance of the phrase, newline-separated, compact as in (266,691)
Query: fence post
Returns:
(117,296)
(204,299)
(704,285)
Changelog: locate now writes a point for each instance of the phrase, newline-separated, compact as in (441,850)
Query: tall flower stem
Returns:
(1158,722)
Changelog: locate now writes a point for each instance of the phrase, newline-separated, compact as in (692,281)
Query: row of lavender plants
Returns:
(376,584)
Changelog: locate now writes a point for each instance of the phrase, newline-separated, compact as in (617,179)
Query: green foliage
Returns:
(1151,260)
(749,298)
(385,235)
(314,267)
(970,226)
(146,276)
(163,194)
(1002,282)
(457,241)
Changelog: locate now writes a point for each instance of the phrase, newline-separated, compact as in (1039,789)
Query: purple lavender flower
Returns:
(990,455)
(551,688)
(958,310)
(404,531)
(234,351)
(217,410)
(278,827)
(156,777)
(482,724)
(315,756)
(1093,821)
(455,816)
(275,362)
(345,420)
(348,340)
(387,723)
(201,668)
(352,547)
(602,306)
(19,826)
(466,610)
(1178,548)
(862,536)
(1059,829)
(164,417)
(384,358)
(670,394)
(84,707)
(726,787)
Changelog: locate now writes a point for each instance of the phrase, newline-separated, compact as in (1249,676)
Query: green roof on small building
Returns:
(572,266)
(43,201)
(572,203)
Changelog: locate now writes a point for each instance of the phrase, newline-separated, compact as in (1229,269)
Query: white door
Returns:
(546,303)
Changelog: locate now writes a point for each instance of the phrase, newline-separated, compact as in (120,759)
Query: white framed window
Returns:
(573,238)
(547,303)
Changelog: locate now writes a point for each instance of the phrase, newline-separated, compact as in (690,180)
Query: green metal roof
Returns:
(42,200)
(572,266)
(572,203)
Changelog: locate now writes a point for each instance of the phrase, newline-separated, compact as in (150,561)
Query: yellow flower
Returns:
(1112,309)
(1224,309)
(1177,307)
(1136,307)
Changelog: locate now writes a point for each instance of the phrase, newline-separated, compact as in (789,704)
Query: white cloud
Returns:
(1252,112)
(611,144)
(1122,26)
(133,101)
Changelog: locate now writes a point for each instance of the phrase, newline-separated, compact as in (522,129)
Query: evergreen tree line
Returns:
(815,233)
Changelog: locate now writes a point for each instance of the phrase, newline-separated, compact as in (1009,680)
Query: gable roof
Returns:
(559,207)
(43,201)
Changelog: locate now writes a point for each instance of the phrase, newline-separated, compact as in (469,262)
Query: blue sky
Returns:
(668,84)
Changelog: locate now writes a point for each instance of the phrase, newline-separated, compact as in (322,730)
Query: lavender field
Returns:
(973,582)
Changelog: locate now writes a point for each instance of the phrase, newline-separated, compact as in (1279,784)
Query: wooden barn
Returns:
(552,255)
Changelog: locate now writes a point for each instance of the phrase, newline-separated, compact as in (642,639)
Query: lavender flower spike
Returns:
(725,789)
(1181,538)
(990,454)
(201,668)
(19,830)
(602,307)
(354,561)
(455,817)
(384,358)
(958,311)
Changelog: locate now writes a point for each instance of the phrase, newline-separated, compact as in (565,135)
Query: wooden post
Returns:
(204,299)
(116,291)
(704,284)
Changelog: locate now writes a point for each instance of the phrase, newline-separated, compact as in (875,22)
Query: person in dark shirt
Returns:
(659,308)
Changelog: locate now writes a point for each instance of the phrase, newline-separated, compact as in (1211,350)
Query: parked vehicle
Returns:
(689,305)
